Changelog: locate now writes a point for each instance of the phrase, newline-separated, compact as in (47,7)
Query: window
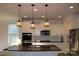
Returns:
(13,35)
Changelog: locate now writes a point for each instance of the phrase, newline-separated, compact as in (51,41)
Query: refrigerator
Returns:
(74,39)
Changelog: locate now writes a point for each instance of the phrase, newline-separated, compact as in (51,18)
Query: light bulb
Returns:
(32,26)
(19,22)
(46,24)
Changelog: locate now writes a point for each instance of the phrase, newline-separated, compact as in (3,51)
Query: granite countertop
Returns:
(33,48)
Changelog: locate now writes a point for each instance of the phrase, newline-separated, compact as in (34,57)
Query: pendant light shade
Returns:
(46,23)
(19,22)
(32,26)
(19,19)
(32,23)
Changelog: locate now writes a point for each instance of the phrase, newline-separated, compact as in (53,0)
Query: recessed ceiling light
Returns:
(42,16)
(25,16)
(59,16)
(34,9)
(54,30)
(71,7)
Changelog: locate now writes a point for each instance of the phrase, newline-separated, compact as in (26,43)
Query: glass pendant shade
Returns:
(19,22)
(32,26)
(46,24)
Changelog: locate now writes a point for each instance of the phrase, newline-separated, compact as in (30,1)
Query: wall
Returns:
(3,35)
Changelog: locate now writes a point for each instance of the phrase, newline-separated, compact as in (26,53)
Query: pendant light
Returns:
(46,23)
(19,19)
(32,23)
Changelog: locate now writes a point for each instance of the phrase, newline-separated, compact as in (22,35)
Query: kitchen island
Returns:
(33,48)
(42,50)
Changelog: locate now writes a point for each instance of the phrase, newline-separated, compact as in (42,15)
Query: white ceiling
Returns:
(9,11)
